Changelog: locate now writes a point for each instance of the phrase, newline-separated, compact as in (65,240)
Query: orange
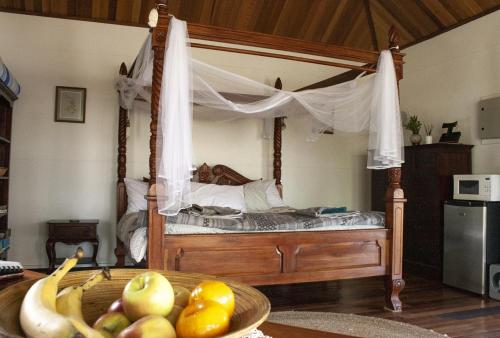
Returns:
(202,319)
(214,290)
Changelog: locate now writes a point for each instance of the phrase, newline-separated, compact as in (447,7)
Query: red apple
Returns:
(181,296)
(149,327)
(174,314)
(111,324)
(116,306)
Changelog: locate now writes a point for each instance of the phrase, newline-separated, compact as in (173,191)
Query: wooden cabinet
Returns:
(7,98)
(427,180)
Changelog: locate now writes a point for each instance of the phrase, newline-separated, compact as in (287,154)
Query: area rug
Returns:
(349,324)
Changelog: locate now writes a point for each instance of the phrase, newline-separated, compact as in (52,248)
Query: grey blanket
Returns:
(286,221)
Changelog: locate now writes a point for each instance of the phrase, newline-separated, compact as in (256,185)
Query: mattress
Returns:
(132,228)
(186,229)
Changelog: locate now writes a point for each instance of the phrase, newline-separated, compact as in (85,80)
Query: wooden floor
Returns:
(425,302)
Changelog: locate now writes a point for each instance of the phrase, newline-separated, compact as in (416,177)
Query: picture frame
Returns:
(70,104)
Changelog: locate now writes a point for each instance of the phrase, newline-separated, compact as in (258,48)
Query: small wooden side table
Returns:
(72,232)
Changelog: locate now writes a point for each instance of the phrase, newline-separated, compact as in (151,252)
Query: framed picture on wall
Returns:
(70,104)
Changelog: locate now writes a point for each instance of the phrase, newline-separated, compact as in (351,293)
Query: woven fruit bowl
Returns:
(252,307)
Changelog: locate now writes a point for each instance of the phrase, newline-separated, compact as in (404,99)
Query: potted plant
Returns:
(414,126)
(428,133)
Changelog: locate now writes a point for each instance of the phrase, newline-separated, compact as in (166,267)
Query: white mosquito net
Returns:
(367,103)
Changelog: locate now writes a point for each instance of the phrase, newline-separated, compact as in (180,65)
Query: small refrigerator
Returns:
(471,243)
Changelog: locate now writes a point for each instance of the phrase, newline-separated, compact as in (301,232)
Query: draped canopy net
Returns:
(367,103)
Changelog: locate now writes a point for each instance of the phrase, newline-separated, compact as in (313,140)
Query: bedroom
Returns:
(64,167)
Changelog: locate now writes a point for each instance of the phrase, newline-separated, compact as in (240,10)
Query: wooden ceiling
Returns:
(353,23)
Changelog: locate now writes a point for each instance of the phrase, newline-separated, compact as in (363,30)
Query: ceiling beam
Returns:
(371,25)
(398,17)
(430,14)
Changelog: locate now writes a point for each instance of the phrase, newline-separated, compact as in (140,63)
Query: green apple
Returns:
(148,293)
(174,314)
(149,327)
(181,295)
(111,324)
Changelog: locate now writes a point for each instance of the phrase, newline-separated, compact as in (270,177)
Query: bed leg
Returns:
(393,286)
(394,207)
(120,253)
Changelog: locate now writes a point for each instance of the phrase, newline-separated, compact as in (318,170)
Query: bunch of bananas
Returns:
(46,313)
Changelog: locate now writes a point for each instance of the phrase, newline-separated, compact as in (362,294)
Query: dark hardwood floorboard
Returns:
(424,303)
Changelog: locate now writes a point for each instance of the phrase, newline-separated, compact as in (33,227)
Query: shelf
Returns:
(4,140)
(4,177)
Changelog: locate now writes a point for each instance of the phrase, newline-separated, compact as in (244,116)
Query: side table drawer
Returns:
(73,232)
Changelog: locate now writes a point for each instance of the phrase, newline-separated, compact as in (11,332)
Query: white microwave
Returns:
(476,187)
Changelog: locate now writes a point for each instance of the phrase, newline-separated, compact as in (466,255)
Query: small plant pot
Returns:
(428,139)
(415,139)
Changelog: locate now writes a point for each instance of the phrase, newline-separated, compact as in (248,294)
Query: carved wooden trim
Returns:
(122,135)
(394,41)
(158,44)
(178,256)
(204,173)
(121,191)
(282,263)
(278,126)
(226,176)
(219,174)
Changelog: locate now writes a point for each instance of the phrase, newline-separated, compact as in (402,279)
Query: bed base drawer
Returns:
(230,261)
(311,258)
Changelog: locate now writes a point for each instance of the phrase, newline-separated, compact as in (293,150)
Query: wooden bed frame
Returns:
(268,258)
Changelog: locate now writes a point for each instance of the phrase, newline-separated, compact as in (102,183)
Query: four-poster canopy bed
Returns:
(269,257)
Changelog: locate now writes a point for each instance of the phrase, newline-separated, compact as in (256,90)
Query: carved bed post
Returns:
(278,125)
(394,207)
(121,193)
(156,221)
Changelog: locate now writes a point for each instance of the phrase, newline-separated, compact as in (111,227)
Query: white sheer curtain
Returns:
(367,103)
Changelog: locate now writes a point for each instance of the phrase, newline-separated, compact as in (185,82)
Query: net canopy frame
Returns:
(369,103)
(394,196)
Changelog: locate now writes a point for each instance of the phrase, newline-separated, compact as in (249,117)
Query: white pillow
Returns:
(255,196)
(136,190)
(229,196)
(254,191)
(273,195)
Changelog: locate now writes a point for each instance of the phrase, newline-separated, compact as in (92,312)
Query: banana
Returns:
(69,300)
(38,315)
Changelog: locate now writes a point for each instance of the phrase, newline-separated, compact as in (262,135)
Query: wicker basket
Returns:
(252,307)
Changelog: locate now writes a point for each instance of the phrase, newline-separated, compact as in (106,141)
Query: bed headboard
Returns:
(219,174)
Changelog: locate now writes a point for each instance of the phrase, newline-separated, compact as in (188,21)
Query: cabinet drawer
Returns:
(73,232)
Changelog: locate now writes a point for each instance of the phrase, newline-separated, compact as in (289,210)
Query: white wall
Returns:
(445,77)
(64,170)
